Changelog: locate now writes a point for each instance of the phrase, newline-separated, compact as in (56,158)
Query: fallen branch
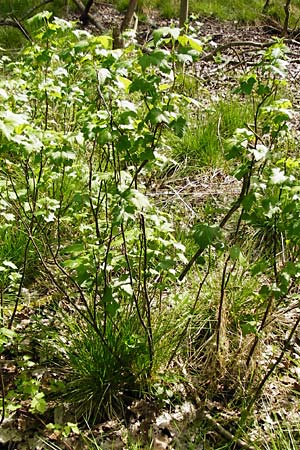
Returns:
(234,44)
(227,435)
(90,18)
(8,23)
(32,10)
(16,23)
(250,44)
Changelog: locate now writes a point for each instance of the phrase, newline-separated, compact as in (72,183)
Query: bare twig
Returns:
(135,299)
(190,315)
(222,224)
(21,284)
(144,244)
(14,22)
(188,207)
(221,305)
(273,366)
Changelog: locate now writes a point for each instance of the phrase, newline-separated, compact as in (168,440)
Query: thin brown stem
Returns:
(221,304)
(232,210)
(2,395)
(274,365)
(145,289)
(184,331)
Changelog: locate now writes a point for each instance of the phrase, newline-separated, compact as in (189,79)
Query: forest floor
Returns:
(237,42)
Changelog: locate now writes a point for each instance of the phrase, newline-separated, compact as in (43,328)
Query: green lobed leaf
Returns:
(206,235)
(246,86)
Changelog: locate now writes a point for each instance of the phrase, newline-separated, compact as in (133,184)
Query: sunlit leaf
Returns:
(195,44)
(259,152)
(278,176)
(10,264)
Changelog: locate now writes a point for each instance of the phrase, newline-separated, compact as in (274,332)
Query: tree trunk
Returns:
(117,32)
(266,6)
(184,12)
(287,17)
(129,15)
(89,16)
(84,16)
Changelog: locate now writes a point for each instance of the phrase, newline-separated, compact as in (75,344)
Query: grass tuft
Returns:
(203,143)
(105,374)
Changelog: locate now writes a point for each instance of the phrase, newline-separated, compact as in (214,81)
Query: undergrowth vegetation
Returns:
(12,37)
(221,9)
(108,299)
